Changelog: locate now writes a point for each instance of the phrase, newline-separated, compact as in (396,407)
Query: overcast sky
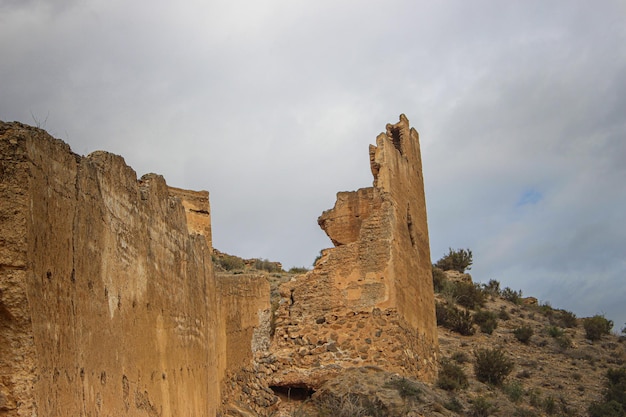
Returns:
(271,106)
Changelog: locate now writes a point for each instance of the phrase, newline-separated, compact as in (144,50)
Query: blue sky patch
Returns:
(529,197)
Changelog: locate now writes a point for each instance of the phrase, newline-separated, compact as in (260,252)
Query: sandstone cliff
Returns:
(369,300)
(108,304)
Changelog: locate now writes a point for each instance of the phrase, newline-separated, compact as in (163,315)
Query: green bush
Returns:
(514,391)
(615,386)
(406,388)
(454,319)
(439,279)
(460,357)
(546,309)
(503,315)
(486,320)
(597,326)
(349,405)
(523,334)
(563,342)
(317,258)
(492,366)
(480,407)
(488,327)
(451,376)
(614,403)
(511,295)
(456,260)
(229,262)
(492,287)
(298,270)
(441,314)
(606,409)
(554,331)
(468,295)
(463,322)
(266,265)
(454,405)
(567,319)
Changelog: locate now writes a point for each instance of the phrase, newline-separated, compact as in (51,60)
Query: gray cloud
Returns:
(271,105)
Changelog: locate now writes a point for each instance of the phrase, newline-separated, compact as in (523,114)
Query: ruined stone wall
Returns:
(396,164)
(107,304)
(369,300)
(244,300)
(197,211)
(245,303)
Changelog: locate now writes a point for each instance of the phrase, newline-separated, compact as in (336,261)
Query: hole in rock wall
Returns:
(396,138)
(292,393)
(409,223)
(5,314)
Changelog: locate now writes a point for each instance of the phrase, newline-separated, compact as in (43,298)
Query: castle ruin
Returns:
(109,305)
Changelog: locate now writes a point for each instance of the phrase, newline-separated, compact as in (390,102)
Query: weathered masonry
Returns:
(109,305)
(369,300)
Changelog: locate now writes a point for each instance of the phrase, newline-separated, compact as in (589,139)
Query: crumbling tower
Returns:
(369,300)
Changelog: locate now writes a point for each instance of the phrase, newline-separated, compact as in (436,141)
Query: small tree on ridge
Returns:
(456,260)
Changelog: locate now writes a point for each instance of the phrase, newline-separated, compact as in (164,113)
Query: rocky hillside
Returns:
(555,368)
(537,361)
(113,302)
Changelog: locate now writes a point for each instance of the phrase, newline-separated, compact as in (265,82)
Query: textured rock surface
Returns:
(369,300)
(197,211)
(245,302)
(107,303)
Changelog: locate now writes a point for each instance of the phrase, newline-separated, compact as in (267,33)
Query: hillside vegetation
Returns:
(501,354)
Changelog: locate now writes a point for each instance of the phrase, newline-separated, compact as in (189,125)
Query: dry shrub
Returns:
(597,326)
(523,334)
(492,366)
(451,376)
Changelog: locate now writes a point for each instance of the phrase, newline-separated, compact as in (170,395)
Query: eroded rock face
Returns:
(369,300)
(108,303)
(197,211)
(343,223)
